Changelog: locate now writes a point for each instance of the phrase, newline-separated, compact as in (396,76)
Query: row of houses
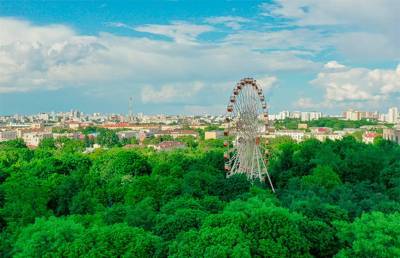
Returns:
(319,133)
(32,137)
(300,135)
(143,134)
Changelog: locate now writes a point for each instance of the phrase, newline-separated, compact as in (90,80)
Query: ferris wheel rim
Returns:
(240,86)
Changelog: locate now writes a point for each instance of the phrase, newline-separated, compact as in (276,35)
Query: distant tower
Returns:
(130,118)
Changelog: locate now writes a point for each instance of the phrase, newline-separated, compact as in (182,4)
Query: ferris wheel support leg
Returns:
(258,164)
(235,165)
(269,179)
(254,155)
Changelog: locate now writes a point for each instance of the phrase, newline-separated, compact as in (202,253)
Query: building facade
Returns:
(216,134)
(393,115)
(33,139)
(7,135)
(392,134)
(297,135)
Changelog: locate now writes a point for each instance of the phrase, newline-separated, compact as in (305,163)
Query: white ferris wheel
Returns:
(247,118)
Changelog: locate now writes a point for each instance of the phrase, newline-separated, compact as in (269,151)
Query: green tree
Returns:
(48,238)
(47,143)
(118,240)
(322,176)
(372,235)
(227,241)
(25,198)
(170,225)
(142,214)
(107,138)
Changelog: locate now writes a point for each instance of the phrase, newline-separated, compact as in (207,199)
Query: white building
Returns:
(33,139)
(315,115)
(382,117)
(44,116)
(128,134)
(216,134)
(305,116)
(169,145)
(369,137)
(296,114)
(297,135)
(308,116)
(8,135)
(272,117)
(352,115)
(330,136)
(283,115)
(392,134)
(392,116)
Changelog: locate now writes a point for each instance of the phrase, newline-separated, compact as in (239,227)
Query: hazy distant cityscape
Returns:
(32,129)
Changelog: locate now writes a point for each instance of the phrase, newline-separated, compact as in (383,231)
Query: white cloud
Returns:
(233,22)
(53,57)
(366,46)
(171,93)
(334,65)
(305,40)
(375,13)
(13,30)
(364,30)
(180,32)
(119,25)
(305,103)
(347,91)
(358,84)
(267,82)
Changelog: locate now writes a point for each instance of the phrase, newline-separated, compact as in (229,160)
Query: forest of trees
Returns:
(334,198)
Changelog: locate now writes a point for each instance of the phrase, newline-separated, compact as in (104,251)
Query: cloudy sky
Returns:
(185,56)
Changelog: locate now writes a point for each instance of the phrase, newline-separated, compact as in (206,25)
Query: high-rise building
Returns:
(296,114)
(393,115)
(315,115)
(382,117)
(370,115)
(308,116)
(283,115)
(44,116)
(305,116)
(352,115)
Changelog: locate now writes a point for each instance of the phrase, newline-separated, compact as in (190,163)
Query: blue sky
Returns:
(185,56)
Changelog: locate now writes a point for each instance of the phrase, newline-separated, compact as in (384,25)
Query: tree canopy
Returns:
(333,198)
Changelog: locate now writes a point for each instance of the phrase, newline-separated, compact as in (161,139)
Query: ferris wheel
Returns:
(247,119)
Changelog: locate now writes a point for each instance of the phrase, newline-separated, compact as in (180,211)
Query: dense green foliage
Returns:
(337,198)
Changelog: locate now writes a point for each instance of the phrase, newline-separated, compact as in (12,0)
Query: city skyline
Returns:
(92,56)
(391,115)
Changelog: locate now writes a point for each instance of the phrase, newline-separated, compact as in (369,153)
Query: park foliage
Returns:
(334,198)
